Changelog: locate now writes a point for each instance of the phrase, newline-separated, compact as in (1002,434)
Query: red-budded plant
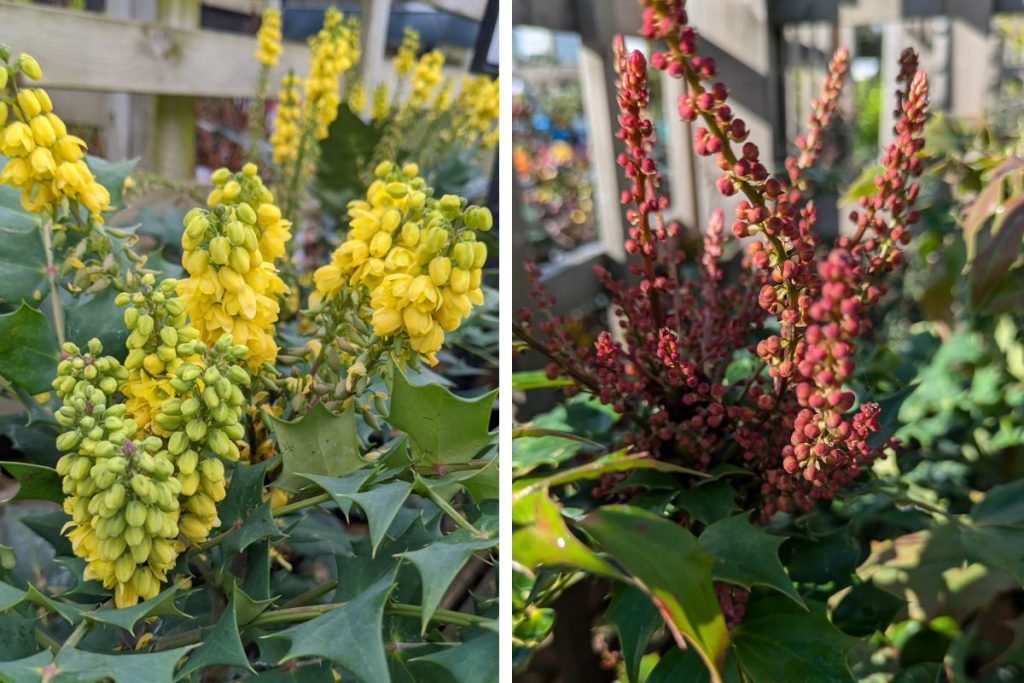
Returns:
(736,400)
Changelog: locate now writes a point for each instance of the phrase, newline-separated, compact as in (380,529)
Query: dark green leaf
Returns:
(827,558)
(866,609)
(78,666)
(221,646)
(28,350)
(679,666)
(380,505)
(636,619)
(442,427)
(97,316)
(319,442)
(474,661)
(245,493)
(111,175)
(672,567)
(48,527)
(777,641)
(440,562)
(22,258)
(340,488)
(257,526)
(17,639)
(126,618)
(1001,505)
(349,635)
(747,556)
(710,502)
(35,482)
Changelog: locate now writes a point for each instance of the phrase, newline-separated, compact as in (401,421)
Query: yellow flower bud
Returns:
(29,66)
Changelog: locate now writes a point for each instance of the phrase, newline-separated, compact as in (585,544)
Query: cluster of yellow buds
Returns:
(233,286)
(357,97)
(405,57)
(380,106)
(425,78)
(477,105)
(268,39)
(416,257)
(160,340)
(45,162)
(284,140)
(443,98)
(122,495)
(205,417)
(334,50)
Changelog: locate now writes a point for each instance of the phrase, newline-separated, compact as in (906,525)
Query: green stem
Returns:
(445,506)
(302,504)
(51,276)
(312,594)
(45,639)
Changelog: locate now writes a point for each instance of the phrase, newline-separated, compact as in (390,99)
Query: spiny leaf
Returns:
(26,670)
(36,482)
(380,505)
(10,596)
(22,259)
(97,316)
(710,502)
(776,641)
(28,350)
(17,637)
(79,666)
(747,556)
(677,575)
(319,442)
(222,646)
(257,526)
(636,619)
(127,617)
(439,563)
(349,635)
(111,175)
(441,426)
(474,661)
(340,488)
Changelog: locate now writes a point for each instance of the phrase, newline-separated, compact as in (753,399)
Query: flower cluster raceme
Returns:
(357,97)
(792,420)
(45,162)
(268,38)
(477,106)
(405,56)
(334,50)
(425,78)
(159,340)
(121,493)
(414,258)
(233,285)
(286,134)
(380,105)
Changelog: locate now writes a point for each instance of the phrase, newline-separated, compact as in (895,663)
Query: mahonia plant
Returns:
(794,422)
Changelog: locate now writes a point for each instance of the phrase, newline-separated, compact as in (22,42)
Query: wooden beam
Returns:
(88,51)
(971,64)
(471,9)
(376,15)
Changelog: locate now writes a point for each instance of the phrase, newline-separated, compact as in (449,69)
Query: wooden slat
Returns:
(86,51)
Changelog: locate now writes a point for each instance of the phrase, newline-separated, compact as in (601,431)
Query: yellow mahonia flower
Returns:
(405,58)
(45,162)
(357,97)
(380,107)
(333,51)
(477,105)
(443,98)
(425,77)
(416,258)
(268,38)
(284,140)
(228,251)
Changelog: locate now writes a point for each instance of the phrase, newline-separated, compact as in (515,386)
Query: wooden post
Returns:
(130,115)
(971,65)
(172,150)
(376,15)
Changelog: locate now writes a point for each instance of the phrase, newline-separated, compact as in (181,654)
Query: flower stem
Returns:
(51,276)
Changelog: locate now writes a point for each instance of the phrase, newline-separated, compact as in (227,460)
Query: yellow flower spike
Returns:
(268,38)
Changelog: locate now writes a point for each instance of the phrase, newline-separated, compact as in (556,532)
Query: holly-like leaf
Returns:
(1002,505)
(380,505)
(747,556)
(474,661)
(685,665)
(245,493)
(17,638)
(127,617)
(866,609)
(541,538)
(26,670)
(636,619)
(35,482)
(10,596)
(257,526)
(319,442)
(79,666)
(340,488)
(221,646)
(28,350)
(22,258)
(672,568)
(709,502)
(442,427)
(349,635)
(777,641)
(97,316)
(439,563)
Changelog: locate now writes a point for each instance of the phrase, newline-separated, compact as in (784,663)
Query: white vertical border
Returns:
(503,35)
